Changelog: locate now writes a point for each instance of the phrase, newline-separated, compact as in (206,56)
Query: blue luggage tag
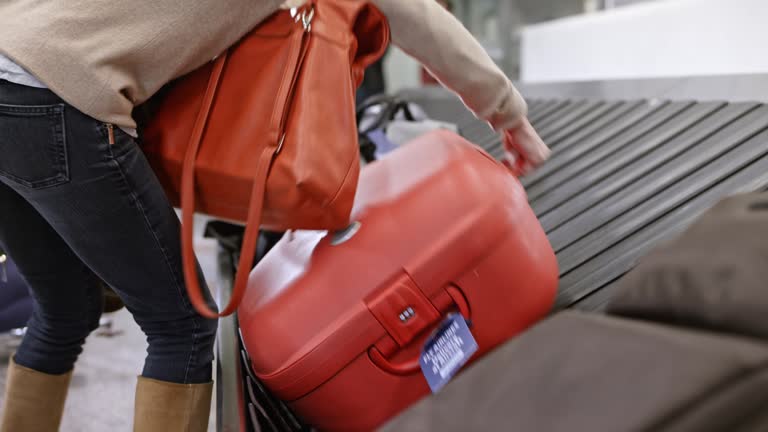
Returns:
(447,351)
(382,143)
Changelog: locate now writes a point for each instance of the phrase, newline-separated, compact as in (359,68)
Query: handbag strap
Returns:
(248,252)
(258,193)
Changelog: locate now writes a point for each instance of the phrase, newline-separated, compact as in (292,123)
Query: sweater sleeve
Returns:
(433,36)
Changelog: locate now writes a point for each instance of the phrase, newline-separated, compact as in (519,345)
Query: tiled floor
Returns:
(103,386)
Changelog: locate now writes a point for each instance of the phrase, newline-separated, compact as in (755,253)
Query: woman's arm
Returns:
(434,37)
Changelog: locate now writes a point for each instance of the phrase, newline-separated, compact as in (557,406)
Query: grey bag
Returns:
(582,373)
(715,275)
(685,348)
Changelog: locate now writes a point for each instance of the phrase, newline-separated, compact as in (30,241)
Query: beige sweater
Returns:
(106,56)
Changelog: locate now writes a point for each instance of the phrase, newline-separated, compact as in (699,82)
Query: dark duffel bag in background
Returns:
(714,275)
(15,301)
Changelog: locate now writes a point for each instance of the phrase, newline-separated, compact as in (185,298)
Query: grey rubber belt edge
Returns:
(622,141)
(573,106)
(581,196)
(579,111)
(673,171)
(480,133)
(645,187)
(596,134)
(535,107)
(580,123)
(263,406)
(553,109)
(235,395)
(615,261)
(229,373)
(598,300)
(569,116)
(590,132)
(677,193)
(581,127)
(591,177)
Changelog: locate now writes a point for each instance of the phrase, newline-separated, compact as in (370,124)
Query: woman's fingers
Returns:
(511,162)
(527,144)
(516,164)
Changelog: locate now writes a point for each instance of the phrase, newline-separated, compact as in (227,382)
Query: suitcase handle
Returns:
(412,366)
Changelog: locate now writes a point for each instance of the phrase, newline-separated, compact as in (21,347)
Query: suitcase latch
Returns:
(403,310)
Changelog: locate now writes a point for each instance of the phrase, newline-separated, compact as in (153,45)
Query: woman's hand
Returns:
(525,151)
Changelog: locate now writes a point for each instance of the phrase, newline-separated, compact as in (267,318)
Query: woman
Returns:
(426,78)
(80,203)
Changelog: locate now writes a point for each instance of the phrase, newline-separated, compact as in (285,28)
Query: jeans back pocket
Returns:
(33,149)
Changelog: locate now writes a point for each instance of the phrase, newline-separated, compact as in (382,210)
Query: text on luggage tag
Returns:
(447,351)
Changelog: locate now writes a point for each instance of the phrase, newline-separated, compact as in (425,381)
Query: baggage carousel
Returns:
(634,163)
(627,171)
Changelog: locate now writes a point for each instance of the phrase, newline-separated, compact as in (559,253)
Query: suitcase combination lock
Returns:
(407,314)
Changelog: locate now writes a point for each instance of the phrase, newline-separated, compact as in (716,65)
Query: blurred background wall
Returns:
(573,40)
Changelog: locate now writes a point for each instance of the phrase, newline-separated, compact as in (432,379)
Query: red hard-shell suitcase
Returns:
(439,226)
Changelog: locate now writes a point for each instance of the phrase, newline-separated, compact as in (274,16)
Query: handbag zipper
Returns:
(305,19)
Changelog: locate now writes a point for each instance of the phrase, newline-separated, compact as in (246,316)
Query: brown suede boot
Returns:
(34,401)
(168,407)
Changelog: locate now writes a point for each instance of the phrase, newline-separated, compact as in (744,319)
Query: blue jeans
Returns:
(76,210)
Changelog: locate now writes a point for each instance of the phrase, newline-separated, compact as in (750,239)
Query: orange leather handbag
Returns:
(266,133)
